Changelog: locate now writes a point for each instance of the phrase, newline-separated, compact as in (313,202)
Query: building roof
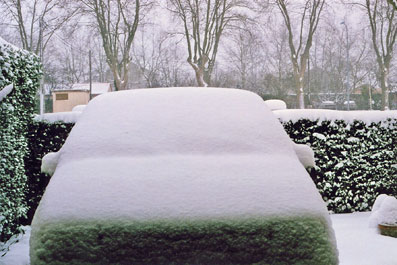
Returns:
(97,88)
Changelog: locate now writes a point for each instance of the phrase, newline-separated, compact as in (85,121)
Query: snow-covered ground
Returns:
(357,243)
(360,244)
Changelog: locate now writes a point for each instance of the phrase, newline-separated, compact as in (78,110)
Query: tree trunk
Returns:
(243,76)
(207,77)
(119,82)
(199,69)
(299,91)
(200,77)
(384,74)
(299,85)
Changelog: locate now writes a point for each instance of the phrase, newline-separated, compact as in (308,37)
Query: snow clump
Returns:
(49,163)
(5,91)
(384,211)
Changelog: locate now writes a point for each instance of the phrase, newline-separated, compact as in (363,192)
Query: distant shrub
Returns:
(22,70)
(355,162)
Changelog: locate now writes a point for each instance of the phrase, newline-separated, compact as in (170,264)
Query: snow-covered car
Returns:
(327,104)
(180,176)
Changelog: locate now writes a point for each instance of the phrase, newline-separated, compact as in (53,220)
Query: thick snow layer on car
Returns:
(145,188)
(349,116)
(164,125)
(276,104)
(66,117)
(176,121)
(163,160)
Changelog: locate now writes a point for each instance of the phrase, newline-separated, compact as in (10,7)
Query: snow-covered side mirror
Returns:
(305,155)
(49,163)
(276,104)
(79,108)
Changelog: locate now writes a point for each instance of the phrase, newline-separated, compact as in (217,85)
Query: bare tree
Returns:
(172,68)
(148,54)
(239,54)
(383,26)
(279,70)
(117,22)
(38,20)
(204,21)
(300,41)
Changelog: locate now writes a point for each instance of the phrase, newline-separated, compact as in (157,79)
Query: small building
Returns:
(78,94)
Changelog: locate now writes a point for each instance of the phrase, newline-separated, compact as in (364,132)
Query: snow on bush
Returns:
(183,176)
(355,154)
(384,211)
(349,117)
(62,117)
(19,81)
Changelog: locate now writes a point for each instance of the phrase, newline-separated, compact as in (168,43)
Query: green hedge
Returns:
(43,137)
(22,70)
(275,240)
(355,162)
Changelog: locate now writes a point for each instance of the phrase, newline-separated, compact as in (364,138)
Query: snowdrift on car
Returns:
(180,176)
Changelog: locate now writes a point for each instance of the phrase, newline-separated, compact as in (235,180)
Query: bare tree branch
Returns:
(204,22)
(308,25)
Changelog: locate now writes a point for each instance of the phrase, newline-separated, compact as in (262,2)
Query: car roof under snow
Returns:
(165,121)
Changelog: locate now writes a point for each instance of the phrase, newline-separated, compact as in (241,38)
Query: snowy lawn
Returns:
(360,244)
(357,243)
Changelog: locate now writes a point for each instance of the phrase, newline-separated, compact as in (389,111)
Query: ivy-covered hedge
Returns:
(22,70)
(355,161)
(43,137)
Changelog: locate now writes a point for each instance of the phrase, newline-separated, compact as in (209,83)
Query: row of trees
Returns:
(272,47)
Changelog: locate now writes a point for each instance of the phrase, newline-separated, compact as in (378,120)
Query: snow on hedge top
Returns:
(176,121)
(178,154)
(5,43)
(367,117)
(65,117)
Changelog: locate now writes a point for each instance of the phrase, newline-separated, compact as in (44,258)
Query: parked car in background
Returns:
(327,104)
